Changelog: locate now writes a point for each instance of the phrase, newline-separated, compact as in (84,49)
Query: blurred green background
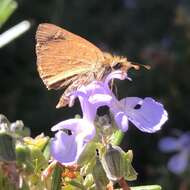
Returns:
(146,31)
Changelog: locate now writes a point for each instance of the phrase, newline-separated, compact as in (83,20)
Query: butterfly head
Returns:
(119,63)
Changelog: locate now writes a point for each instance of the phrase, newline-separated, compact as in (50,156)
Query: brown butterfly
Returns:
(67,61)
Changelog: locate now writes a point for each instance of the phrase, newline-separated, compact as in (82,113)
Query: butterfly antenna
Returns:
(137,66)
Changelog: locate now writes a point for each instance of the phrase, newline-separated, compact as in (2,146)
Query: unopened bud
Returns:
(19,128)
(7,147)
(113,163)
(23,153)
(17,125)
(4,127)
(24,158)
(3,119)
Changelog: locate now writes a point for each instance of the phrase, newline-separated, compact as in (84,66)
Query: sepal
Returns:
(99,175)
(113,163)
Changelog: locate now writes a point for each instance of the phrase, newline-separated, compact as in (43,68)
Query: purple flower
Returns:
(177,163)
(147,115)
(66,148)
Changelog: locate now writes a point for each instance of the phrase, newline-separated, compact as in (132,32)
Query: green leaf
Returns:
(88,158)
(68,187)
(117,137)
(24,158)
(99,176)
(147,187)
(7,7)
(129,155)
(130,173)
(88,154)
(77,185)
(38,160)
(40,141)
(87,168)
(23,153)
(46,151)
(56,178)
(88,181)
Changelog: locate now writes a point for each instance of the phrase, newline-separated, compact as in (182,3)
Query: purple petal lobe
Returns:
(80,127)
(70,124)
(100,99)
(178,163)
(168,144)
(147,115)
(66,148)
(96,87)
(116,75)
(121,121)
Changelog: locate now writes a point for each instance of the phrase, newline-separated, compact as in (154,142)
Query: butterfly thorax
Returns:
(118,62)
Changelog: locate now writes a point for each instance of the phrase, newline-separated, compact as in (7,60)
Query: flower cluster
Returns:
(179,162)
(146,114)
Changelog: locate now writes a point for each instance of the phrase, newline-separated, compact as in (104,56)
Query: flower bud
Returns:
(17,125)
(23,153)
(7,147)
(113,163)
(4,119)
(23,157)
(99,175)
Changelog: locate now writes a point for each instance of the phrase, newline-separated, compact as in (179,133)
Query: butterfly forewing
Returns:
(62,54)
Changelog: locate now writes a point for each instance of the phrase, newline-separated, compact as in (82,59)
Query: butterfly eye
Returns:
(117,66)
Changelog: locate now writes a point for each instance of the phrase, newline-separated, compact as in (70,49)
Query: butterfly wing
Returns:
(62,55)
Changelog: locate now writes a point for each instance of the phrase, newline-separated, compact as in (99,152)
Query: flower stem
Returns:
(123,184)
